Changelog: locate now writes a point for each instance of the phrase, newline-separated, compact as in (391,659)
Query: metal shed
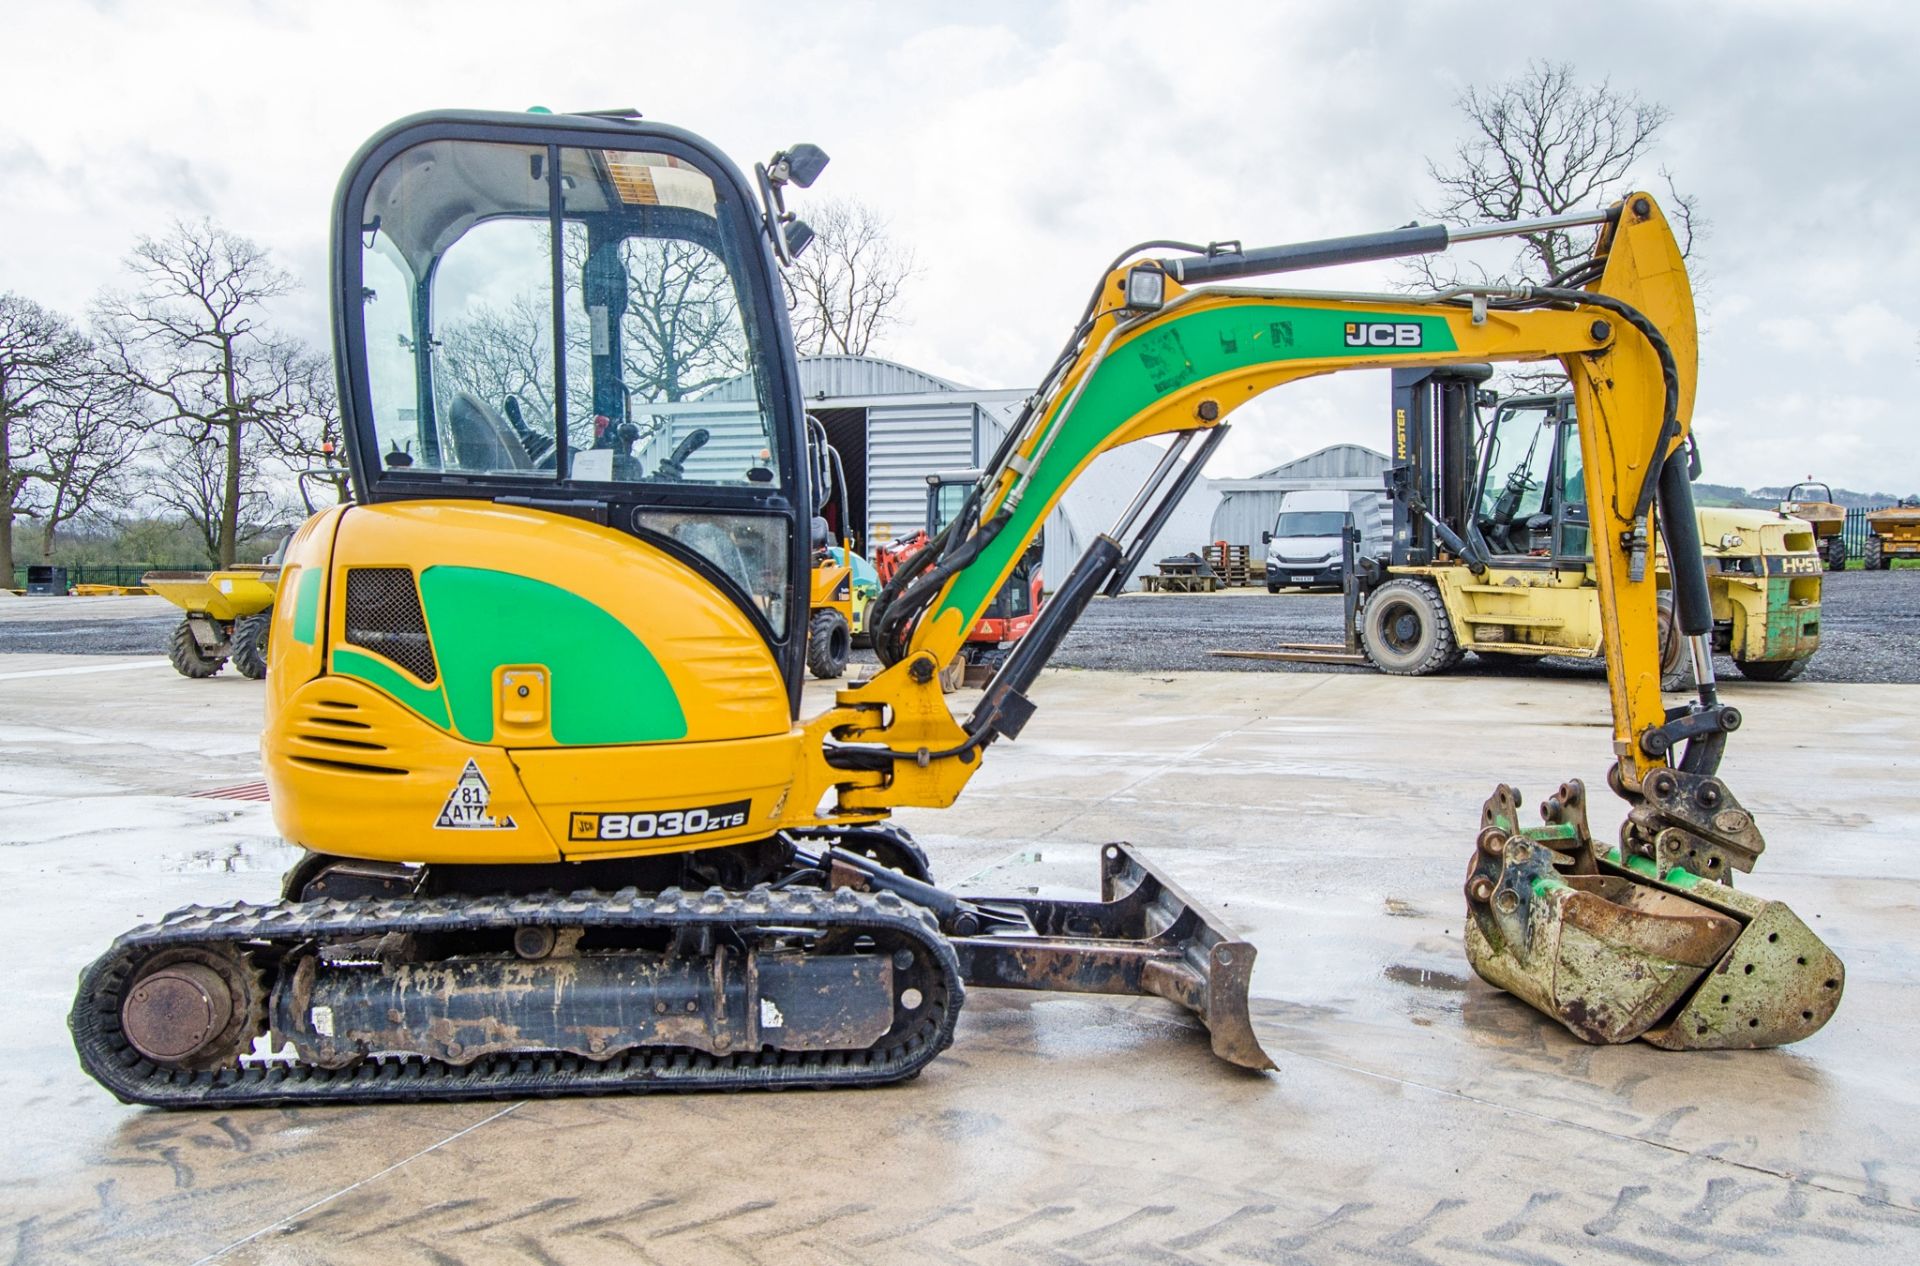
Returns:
(1248,506)
(894,425)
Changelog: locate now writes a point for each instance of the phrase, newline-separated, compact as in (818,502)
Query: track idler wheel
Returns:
(192,1008)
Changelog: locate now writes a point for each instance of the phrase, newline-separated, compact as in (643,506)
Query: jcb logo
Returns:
(1382,334)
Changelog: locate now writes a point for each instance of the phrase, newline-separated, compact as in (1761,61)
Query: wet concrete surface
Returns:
(1417,1115)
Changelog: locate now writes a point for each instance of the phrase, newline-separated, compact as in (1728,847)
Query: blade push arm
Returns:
(1177,362)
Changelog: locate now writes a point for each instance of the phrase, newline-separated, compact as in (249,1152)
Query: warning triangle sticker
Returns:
(469,803)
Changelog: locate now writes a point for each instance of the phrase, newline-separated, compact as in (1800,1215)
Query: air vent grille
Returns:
(384,616)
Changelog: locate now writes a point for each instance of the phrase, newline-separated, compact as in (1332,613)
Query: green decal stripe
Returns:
(428,701)
(306,606)
(1149,367)
(606,686)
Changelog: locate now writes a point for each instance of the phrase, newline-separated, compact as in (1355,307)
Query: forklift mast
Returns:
(1435,417)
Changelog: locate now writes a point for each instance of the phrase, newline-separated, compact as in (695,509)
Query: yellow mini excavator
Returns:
(534,702)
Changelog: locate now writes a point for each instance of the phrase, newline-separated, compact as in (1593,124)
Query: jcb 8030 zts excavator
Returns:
(533,708)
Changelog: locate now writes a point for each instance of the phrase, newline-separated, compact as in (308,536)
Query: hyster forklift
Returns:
(534,712)
(1492,547)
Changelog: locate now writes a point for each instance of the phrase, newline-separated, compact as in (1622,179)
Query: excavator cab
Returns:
(579,316)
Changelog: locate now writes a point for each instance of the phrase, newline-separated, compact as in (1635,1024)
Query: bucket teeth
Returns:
(1614,953)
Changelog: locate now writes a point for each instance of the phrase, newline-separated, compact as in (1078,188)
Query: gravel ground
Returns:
(1870,632)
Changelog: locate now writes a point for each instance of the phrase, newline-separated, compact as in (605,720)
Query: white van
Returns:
(1304,546)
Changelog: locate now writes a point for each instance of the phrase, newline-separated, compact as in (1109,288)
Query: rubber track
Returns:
(107,1056)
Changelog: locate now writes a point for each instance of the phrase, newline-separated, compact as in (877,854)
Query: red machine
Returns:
(1014,609)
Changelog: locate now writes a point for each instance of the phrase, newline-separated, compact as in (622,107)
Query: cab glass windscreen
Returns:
(541,312)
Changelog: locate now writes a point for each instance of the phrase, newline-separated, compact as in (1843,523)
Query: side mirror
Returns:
(799,235)
(1266,538)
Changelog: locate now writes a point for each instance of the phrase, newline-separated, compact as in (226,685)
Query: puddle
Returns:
(233,857)
(1426,978)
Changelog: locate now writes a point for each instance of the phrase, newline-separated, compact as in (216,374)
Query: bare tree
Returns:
(189,476)
(844,290)
(1542,144)
(222,390)
(63,434)
(85,450)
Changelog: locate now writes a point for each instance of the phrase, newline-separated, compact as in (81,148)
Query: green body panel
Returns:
(1783,633)
(429,701)
(1146,369)
(607,686)
(306,606)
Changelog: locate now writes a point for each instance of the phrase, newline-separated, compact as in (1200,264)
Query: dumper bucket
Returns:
(1615,952)
(1144,936)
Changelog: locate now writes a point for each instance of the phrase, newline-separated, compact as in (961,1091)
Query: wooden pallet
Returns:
(1232,564)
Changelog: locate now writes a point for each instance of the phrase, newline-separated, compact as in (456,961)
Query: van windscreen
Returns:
(1310,523)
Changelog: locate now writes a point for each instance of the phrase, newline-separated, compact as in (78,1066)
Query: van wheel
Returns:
(1676,663)
(1405,630)
(829,642)
(1836,552)
(1772,669)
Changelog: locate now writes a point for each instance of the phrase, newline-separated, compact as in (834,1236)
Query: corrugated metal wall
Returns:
(905,444)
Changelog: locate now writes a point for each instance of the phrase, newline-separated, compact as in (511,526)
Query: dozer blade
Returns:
(1144,936)
(1615,953)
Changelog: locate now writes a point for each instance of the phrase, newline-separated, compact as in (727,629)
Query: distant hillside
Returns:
(1707,494)
(1841,496)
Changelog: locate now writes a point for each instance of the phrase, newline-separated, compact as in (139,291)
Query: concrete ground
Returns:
(1416,1115)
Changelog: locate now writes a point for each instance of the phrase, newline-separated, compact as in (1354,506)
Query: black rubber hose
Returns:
(1680,526)
(1669,373)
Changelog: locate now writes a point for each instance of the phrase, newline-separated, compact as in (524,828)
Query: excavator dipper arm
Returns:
(1154,357)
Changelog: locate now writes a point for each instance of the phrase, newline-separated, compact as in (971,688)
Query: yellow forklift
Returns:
(838,591)
(1492,553)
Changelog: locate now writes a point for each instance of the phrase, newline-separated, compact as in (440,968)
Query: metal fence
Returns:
(1855,531)
(105,573)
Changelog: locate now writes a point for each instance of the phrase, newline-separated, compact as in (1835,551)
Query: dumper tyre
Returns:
(1772,669)
(183,650)
(1676,664)
(1406,632)
(250,644)
(1874,556)
(829,642)
(1836,552)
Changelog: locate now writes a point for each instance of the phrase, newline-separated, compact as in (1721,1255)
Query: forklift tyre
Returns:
(250,644)
(829,642)
(1772,669)
(1405,630)
(1676,664)
(187,657)
(1836,552)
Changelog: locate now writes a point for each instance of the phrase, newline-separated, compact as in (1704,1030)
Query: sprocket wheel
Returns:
(194,1008)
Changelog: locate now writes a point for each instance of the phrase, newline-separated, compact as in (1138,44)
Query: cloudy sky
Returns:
(1016,147)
